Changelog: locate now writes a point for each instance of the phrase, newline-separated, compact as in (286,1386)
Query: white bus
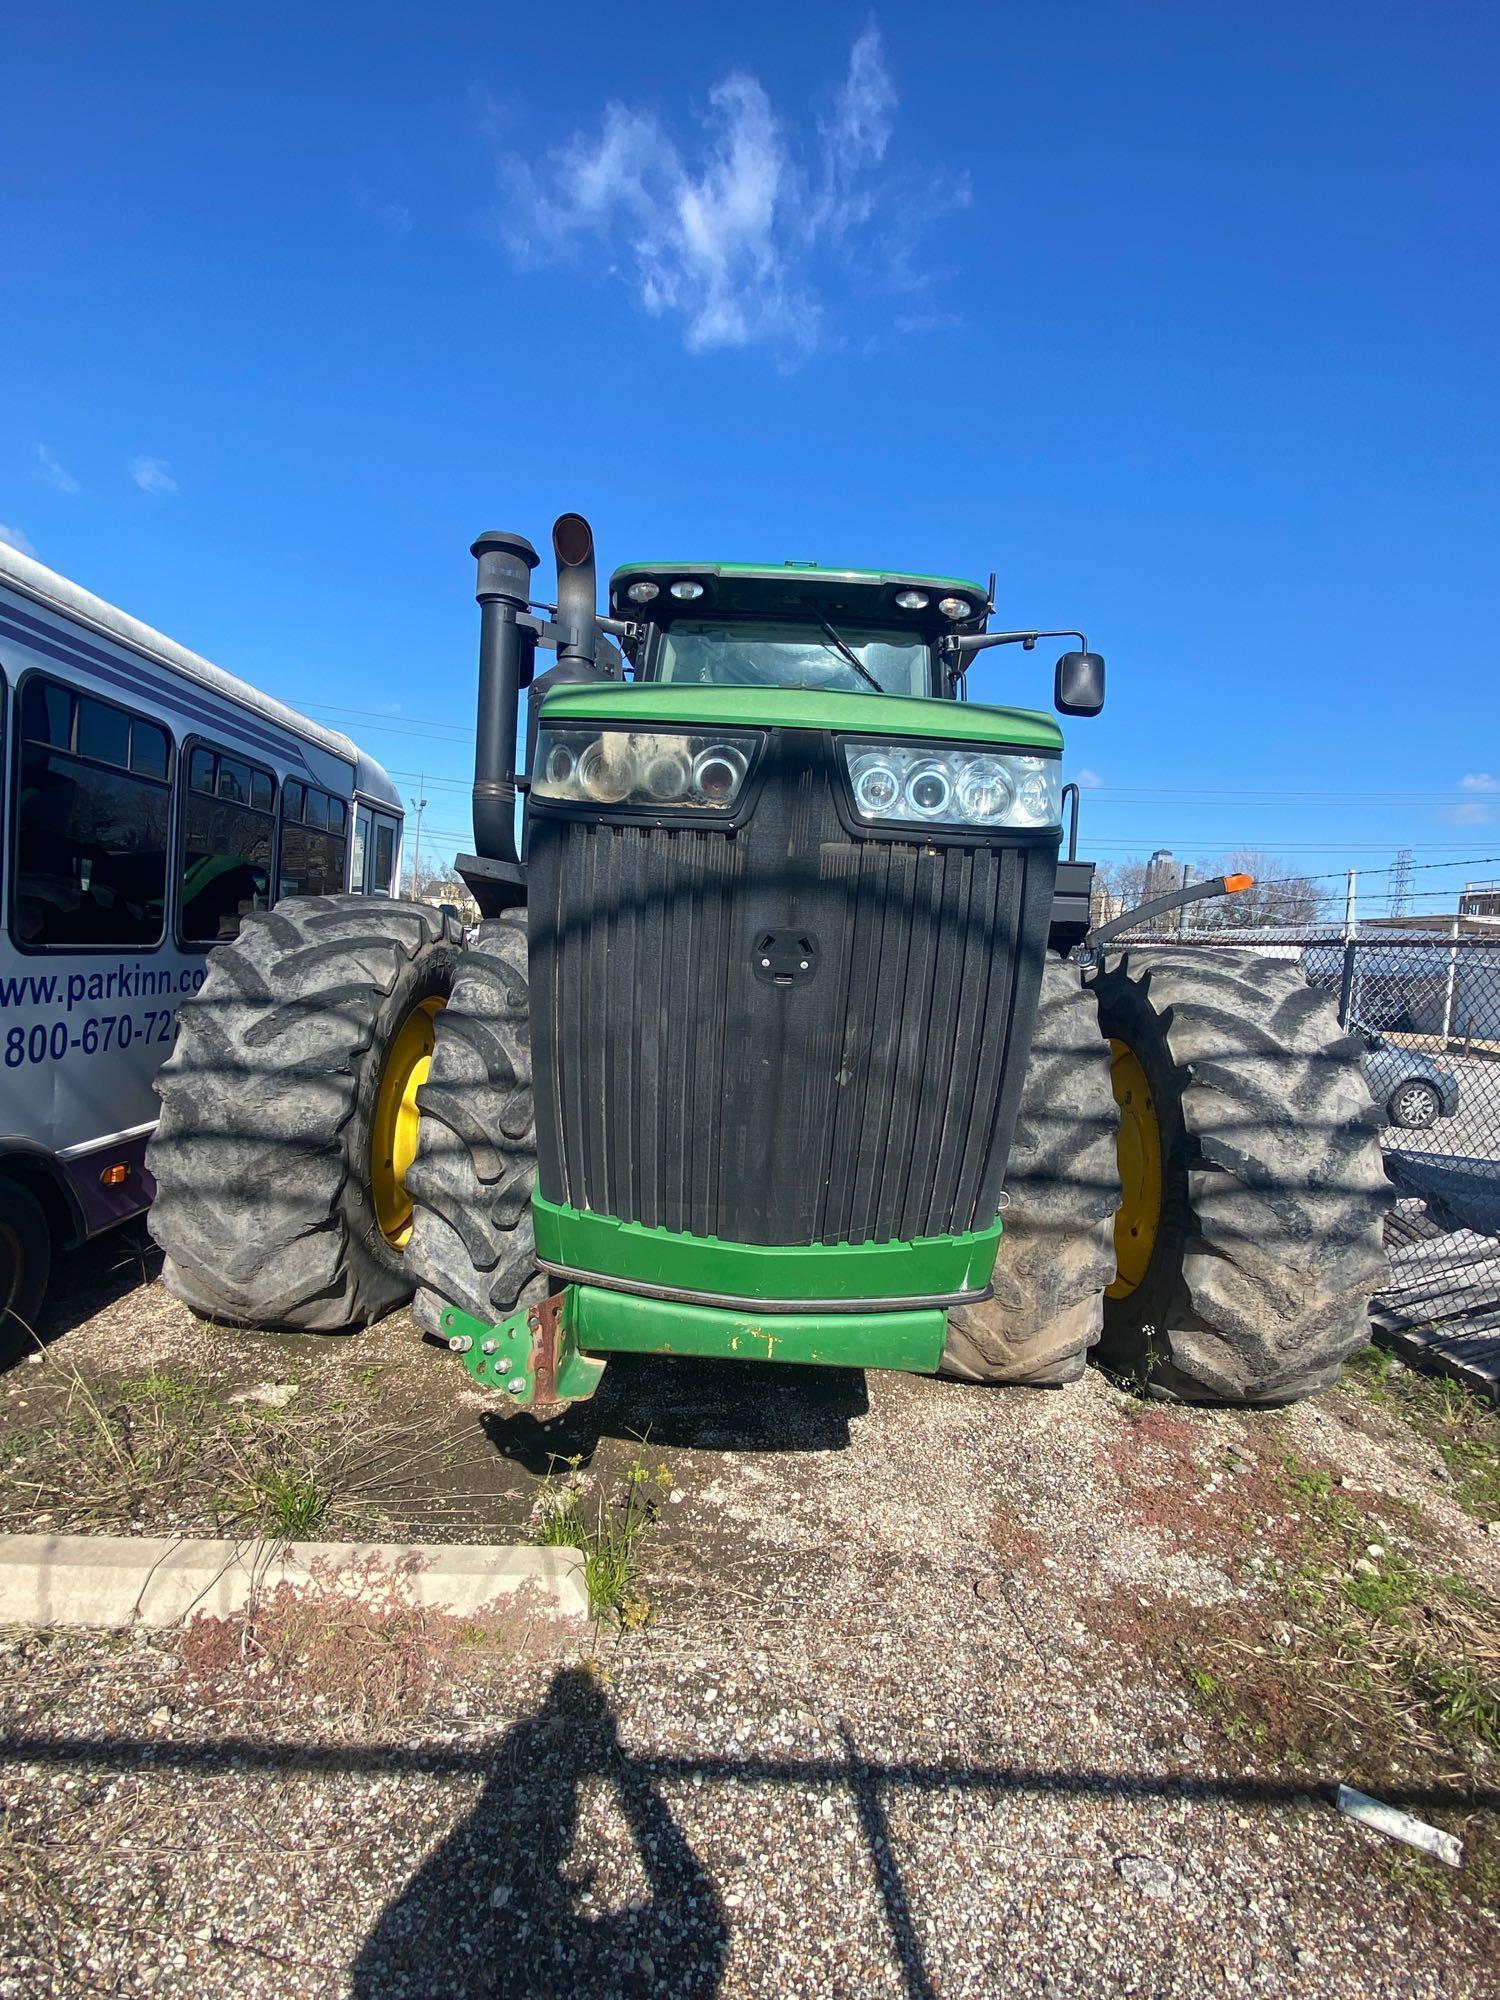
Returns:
(150,800)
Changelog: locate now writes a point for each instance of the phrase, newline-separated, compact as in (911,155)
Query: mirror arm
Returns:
(959,650)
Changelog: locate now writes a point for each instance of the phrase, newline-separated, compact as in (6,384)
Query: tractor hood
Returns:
(661,705)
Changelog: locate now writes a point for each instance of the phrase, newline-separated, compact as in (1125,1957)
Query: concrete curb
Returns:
(110,1580)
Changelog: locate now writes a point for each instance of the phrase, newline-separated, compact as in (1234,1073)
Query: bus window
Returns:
(226,845)
(357,880)
(385,858)
(89,835)
(312,842)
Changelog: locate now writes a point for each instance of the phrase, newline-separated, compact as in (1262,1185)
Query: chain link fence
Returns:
(1428,1008)
(1426,1004)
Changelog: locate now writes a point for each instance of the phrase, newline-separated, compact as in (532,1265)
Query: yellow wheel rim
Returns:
(393,1139)
(1139,1152)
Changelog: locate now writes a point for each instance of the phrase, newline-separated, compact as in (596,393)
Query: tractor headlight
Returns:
(946,785)
(651,770)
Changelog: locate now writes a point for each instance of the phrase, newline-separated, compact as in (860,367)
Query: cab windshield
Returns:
(706,652)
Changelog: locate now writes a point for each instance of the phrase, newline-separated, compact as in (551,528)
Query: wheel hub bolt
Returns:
(502,1366)
(489,1346)
(460,1344)
(518,1386)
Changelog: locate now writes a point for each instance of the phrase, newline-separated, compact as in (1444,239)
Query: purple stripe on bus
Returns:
(104,1206)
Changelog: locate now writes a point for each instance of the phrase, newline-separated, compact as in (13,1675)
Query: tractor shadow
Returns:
(683,1404)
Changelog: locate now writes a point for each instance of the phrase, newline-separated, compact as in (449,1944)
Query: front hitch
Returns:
(532,1357)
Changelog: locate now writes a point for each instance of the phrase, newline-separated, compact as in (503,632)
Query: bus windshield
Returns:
(762,653)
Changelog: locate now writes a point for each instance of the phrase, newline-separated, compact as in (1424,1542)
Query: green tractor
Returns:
(773,1043)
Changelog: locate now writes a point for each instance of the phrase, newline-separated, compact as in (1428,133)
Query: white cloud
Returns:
(1473,812)
(153,475)
(55,474)
(1088,781)
(741,241)
(393,214)
(14,539)
(1478,781)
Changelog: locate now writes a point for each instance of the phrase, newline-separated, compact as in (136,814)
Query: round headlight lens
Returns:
(561,765)
(928,789)
(984,790)
(687,591)
(666,775)
(719,771)
(912,600)
(877,785)
(606,771)
(1034,799)
(642,593)
(955,607)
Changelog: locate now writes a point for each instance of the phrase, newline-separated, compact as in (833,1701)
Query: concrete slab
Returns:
(109,1580)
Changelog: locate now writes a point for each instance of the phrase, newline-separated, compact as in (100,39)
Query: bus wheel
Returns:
(25,1264)
(289,1113)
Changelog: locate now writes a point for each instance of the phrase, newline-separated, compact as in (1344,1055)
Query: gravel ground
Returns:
(915,1714)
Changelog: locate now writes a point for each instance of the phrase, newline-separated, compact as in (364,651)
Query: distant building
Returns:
(1162,874)
(1480,899)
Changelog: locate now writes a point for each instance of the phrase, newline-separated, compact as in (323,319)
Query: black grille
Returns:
(860,1102)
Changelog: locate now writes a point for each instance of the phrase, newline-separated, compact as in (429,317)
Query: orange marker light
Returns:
(115,1176)
(1235,882)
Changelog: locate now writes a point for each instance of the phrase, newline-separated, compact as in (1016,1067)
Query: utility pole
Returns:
(1401,882)
(1351,919)
(419,806)
(1187,876)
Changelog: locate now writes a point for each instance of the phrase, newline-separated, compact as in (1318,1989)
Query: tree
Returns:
(448,888)
(1281,897)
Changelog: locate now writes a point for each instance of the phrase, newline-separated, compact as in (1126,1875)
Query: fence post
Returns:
(1346,984)
(1448,995)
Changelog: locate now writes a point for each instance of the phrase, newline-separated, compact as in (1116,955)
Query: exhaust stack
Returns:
(577,592)
(507,656)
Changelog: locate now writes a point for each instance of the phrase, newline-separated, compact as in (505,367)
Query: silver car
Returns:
(1414,1090)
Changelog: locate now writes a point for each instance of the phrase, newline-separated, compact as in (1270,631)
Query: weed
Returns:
(292,1503)
(1462,1428)
(353,1641)
(161,1385)
(1381,1589)
(610,1543)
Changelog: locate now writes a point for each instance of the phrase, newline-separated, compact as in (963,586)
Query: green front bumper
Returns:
(539,1359)
(704,1270)
(633,1290)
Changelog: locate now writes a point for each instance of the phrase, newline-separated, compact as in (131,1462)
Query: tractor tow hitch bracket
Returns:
(532,1357)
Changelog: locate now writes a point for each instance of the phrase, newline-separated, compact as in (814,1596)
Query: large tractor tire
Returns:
(1249,1236)
(289,1115)
(1057,1247)
(472,1243)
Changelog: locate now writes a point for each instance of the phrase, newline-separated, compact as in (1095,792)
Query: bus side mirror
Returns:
(1079,688)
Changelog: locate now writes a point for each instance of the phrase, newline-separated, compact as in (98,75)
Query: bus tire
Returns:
(472,1244)
(273,1156)
(25,1265)
(1057,1246)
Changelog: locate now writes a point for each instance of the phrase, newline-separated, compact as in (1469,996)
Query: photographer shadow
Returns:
(494,1910)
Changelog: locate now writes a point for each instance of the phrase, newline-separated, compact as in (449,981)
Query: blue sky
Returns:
(1180,318)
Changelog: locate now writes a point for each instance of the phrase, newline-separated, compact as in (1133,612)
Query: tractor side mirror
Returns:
(1079,688)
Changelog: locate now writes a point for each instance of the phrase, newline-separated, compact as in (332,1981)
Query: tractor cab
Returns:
(796,625)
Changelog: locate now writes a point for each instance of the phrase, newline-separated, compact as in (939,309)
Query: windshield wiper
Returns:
(851,656)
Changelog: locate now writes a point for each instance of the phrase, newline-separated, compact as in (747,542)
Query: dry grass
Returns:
(354,1646)
(158,1452)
